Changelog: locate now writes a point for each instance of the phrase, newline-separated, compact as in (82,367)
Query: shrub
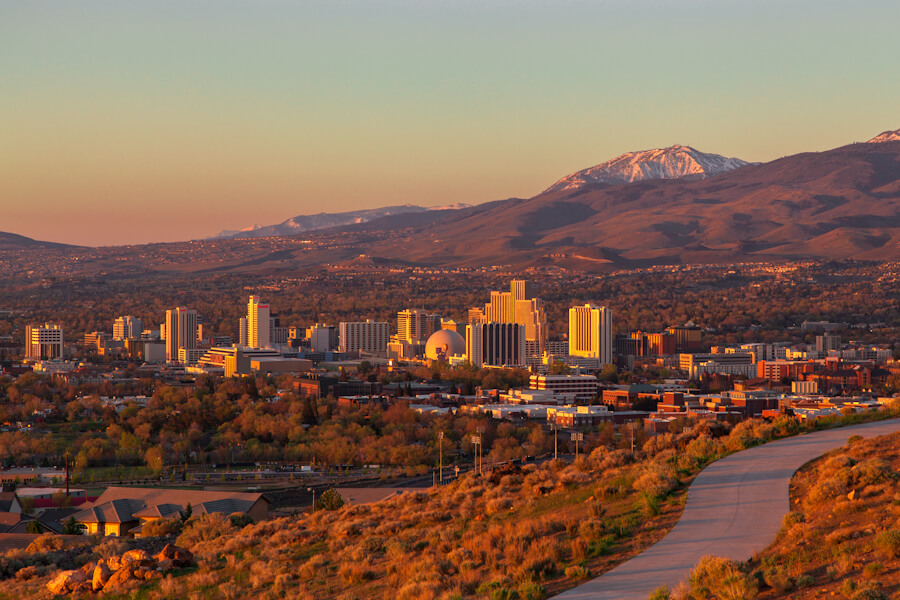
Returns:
(777,579)
(655,481)
(532,591)
(888,542)
(870,593)
(722,578)
(578,572)
(660,593)
(793,518)
(162,527)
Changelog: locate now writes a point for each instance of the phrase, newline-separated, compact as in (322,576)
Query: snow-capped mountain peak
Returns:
(887,136)
(674,162)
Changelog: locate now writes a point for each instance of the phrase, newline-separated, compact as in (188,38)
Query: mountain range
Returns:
(673,205)
(303,223)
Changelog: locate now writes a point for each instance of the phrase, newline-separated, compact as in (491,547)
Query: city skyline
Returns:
(236,114)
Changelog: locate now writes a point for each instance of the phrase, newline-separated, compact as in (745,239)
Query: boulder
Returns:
(166,564)
(66,582)
(113,563)
(118,579)
(102,574)
(181,557)
(136,558)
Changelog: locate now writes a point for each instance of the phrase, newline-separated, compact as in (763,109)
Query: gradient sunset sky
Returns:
(133,122)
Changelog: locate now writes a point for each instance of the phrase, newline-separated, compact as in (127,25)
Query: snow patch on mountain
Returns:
(304,223)
(674,162)
(887,136)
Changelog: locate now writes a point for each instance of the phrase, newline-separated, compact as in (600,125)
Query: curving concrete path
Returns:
(735,507)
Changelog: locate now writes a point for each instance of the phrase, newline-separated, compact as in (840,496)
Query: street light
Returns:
(309,489)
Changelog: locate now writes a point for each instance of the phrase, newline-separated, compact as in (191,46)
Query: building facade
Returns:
(44,342)
(590,333)
(181,331)
(370,336)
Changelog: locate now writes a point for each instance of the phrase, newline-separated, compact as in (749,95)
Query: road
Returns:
(734,508)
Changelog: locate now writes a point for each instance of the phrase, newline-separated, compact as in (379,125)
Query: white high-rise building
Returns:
(371,336)
(127,328)
(181,331)
(590,333)
(44,342)
(259,325)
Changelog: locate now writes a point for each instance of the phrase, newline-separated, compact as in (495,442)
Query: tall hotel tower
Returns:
(590,333)
(258,323)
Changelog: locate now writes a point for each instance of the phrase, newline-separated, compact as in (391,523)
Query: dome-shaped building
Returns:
(443,344)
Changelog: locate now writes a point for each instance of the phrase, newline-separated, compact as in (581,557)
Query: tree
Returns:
(34,527)
(329,500)
(72,527)
(185,514)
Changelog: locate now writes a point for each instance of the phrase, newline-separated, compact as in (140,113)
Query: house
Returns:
(9,503)
(122,511)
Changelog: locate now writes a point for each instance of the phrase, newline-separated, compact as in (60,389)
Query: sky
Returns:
(126,122)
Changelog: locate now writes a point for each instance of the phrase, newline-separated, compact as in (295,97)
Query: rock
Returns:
(66,582)
(181,557)
(119,578)
(113,563)
(166,564)
(136,558)
(102,574)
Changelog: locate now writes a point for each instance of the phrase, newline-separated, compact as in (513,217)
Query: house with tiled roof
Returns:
(124,511)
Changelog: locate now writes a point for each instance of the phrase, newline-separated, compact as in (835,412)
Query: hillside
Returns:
(842,203)
(840,540)
(12,241)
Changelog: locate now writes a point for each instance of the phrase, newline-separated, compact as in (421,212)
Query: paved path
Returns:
(734,508)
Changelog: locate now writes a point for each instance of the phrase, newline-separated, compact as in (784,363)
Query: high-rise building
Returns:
(181,331)
(531,314)
(414,325)
(501,308)
(590,333)
(495,344)
(521,289)
(259,324)
(371,336)
(322,337)
(44,342)
(127,328)
(242,333)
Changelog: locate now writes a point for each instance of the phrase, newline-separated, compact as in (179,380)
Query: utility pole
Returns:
(441,451)
(555,441)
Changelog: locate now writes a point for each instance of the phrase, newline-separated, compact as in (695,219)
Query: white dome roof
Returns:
(443,344)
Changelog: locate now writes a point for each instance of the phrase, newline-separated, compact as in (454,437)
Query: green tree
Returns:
(329,500)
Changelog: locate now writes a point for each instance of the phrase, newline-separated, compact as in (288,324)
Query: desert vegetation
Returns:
(841,538)
(531,531)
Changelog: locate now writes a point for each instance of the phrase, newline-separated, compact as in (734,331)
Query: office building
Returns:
(590,333)
(414,325)
(826,343)
(127,328)
(259,325)
(370,336)
(495,344)
(181,331)
(322,337)
(242,332)
(44,342)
